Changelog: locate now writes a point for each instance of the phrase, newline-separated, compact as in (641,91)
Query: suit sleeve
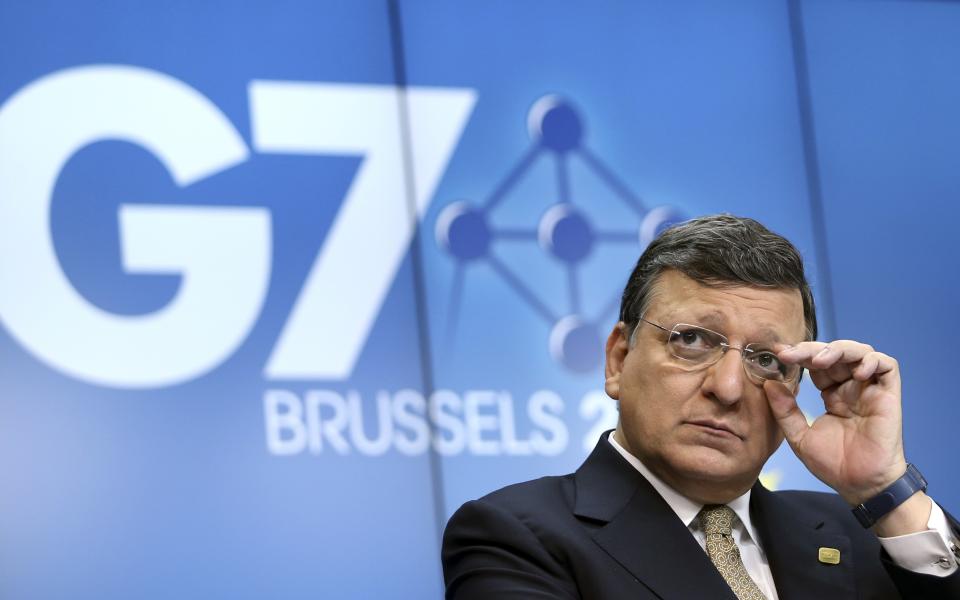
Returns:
(491,553)
(925,587)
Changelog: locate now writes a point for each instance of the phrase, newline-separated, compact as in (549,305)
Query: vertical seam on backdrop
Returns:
(812,164)
(416,258)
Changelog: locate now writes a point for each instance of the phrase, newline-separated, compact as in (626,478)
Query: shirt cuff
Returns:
(931,552)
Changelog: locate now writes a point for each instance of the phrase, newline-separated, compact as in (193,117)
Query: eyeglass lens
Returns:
(702,346)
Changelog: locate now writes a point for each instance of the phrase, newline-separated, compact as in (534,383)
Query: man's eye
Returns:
(768,361)
(692,338)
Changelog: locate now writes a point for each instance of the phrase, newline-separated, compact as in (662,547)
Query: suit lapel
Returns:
(791,537)
(640,531)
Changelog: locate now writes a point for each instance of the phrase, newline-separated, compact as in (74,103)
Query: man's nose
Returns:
(726,378)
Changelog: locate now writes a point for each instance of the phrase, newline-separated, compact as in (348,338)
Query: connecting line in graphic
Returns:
(611,179)
(563,179)
(520,288)
(526,235)
(507,183)
(564,232)
(616,236)
(574,289)
(453,310)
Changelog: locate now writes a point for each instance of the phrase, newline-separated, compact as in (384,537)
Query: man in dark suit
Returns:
(717,323)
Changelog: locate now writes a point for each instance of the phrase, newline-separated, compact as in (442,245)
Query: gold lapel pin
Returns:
(830,556)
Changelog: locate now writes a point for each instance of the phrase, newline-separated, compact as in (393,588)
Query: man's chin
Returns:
(711,465)
(712,487)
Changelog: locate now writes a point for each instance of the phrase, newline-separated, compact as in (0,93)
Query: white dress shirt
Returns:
(927,552)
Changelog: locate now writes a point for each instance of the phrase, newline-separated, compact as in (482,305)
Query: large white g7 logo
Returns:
(223,255)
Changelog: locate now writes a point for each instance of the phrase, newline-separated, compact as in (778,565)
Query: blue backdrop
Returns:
(283,284)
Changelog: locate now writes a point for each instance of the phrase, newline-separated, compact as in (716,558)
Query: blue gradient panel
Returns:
(415,219)
(172,492)
(616,120)
(885,96)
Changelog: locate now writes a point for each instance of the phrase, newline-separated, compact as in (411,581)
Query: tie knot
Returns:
(716,518)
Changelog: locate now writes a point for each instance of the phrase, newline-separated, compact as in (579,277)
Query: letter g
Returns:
(222,254)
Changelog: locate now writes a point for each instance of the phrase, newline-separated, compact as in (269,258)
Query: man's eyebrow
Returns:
(767,334)
(717,320)
(712,318)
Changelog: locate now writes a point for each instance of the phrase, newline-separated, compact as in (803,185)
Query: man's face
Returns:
(706,431)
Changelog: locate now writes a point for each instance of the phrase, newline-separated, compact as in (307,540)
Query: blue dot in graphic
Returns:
(575,344)
(565,233)
(554,123)
(462,230)
(658,220)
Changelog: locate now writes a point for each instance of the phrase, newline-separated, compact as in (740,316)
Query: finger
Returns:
(818,355)
(840,361)
(867,367)
(785,410)
(886,363)
(840,352)
(800,353)
(827,357)
(839,372)
(874,364)
(822,379)
(832,375)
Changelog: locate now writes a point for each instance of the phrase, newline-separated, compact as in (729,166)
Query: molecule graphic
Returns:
(564,232)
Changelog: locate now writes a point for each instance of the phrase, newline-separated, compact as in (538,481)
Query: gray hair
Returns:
(719,251)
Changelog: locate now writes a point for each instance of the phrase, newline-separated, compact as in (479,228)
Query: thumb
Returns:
(784,407)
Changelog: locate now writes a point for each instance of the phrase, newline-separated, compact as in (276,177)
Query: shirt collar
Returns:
(685,508)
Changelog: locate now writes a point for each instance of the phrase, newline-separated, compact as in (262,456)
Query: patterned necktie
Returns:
(717,521)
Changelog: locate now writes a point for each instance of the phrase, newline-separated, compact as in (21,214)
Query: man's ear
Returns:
(617,348)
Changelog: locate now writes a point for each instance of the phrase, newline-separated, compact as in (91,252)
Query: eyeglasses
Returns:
(703,347)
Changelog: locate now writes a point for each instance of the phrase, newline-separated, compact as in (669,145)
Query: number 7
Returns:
(348,282)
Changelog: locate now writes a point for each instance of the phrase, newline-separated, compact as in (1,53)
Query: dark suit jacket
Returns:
(604,532)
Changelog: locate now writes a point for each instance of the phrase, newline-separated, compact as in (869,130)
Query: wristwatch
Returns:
(896,494)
